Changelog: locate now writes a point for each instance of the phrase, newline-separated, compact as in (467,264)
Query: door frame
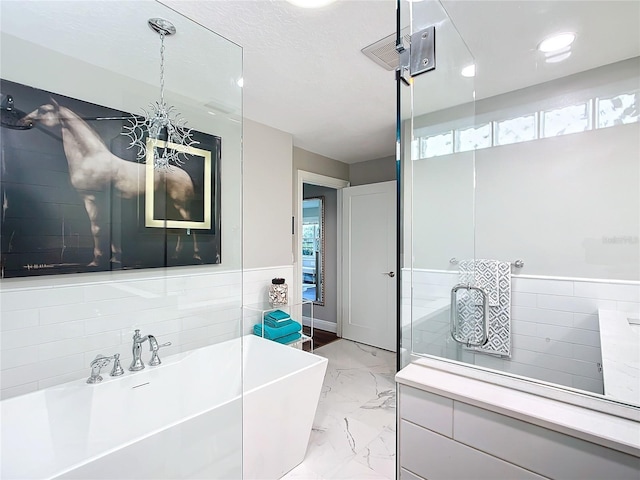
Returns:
(302,177)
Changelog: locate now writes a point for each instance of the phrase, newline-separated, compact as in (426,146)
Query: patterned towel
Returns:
(470,310)
(483,274)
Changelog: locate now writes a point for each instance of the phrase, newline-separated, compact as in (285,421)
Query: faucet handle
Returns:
(155,359)
(117,369)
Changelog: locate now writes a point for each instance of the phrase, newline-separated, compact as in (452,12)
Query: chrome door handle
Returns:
(390,274)
(453,316)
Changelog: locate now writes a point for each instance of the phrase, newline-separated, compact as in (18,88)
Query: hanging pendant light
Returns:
(162,128)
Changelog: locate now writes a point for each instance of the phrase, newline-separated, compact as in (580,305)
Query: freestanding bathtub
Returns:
(183,419)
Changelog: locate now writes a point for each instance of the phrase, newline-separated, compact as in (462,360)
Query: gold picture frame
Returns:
(149,195)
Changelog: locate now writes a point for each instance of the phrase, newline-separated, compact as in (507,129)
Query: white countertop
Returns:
(620,344)
(589,424)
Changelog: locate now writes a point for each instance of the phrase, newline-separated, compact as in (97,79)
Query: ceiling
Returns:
(304,72)
(303,69)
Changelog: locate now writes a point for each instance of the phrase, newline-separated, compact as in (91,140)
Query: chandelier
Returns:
(161,128)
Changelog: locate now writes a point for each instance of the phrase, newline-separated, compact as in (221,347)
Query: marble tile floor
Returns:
(353,436)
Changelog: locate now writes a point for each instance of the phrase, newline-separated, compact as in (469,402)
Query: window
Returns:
(565,120)
(473,138)
(515,130)
(436,145)
(579,117)
(618,110)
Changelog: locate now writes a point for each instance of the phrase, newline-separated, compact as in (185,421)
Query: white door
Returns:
(369,264)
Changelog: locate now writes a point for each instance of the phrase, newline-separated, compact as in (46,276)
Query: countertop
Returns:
(589,424)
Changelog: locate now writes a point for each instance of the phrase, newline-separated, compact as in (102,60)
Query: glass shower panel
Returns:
(532,182)
(98,244)
(438,190)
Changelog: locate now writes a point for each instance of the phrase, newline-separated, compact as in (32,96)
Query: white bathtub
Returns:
(183,419)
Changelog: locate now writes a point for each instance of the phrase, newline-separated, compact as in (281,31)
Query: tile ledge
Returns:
(588,422)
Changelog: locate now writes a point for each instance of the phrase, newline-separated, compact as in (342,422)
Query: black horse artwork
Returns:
(74,195)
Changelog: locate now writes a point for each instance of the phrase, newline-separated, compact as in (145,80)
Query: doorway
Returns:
(317,248)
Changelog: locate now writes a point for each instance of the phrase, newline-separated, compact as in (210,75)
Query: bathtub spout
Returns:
(136,348)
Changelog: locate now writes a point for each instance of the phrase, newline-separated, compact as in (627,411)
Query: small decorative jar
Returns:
(278,292)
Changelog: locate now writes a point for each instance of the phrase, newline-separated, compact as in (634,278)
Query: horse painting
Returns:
(94,169)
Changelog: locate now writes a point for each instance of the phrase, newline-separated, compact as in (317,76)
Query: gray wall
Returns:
(312,162)
(372,171)
(329,310)
(267,176)
(553,202)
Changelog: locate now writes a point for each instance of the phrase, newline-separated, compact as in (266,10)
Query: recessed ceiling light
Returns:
(556,42)
(310,3)
(559,57)
(469,71)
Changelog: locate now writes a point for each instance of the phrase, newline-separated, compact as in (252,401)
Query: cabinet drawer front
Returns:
(436,457)
(546,452)
(427,410)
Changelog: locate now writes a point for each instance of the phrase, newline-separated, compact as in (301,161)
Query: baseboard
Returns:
(320,324)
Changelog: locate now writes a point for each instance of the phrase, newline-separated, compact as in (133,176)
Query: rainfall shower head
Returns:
(11,117)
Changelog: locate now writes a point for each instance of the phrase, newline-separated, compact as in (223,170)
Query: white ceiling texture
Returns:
(304,72)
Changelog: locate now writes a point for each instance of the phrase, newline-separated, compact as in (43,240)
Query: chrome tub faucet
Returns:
(138,340)
(136,349)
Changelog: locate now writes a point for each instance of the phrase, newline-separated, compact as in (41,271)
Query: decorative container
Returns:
(278,292)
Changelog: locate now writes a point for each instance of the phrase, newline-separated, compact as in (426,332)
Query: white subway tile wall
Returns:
(555,331)
(52,327)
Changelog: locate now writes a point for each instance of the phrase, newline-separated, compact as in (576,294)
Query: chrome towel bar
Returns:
(517,263)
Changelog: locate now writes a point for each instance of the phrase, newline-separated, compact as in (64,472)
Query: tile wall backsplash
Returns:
(555,330)
(52,327)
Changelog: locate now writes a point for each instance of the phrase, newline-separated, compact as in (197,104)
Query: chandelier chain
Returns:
(162,35)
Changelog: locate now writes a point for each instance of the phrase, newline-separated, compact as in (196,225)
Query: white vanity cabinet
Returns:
(452,427)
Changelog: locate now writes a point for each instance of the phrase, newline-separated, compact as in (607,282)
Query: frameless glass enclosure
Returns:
(109,257)
(520,194)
